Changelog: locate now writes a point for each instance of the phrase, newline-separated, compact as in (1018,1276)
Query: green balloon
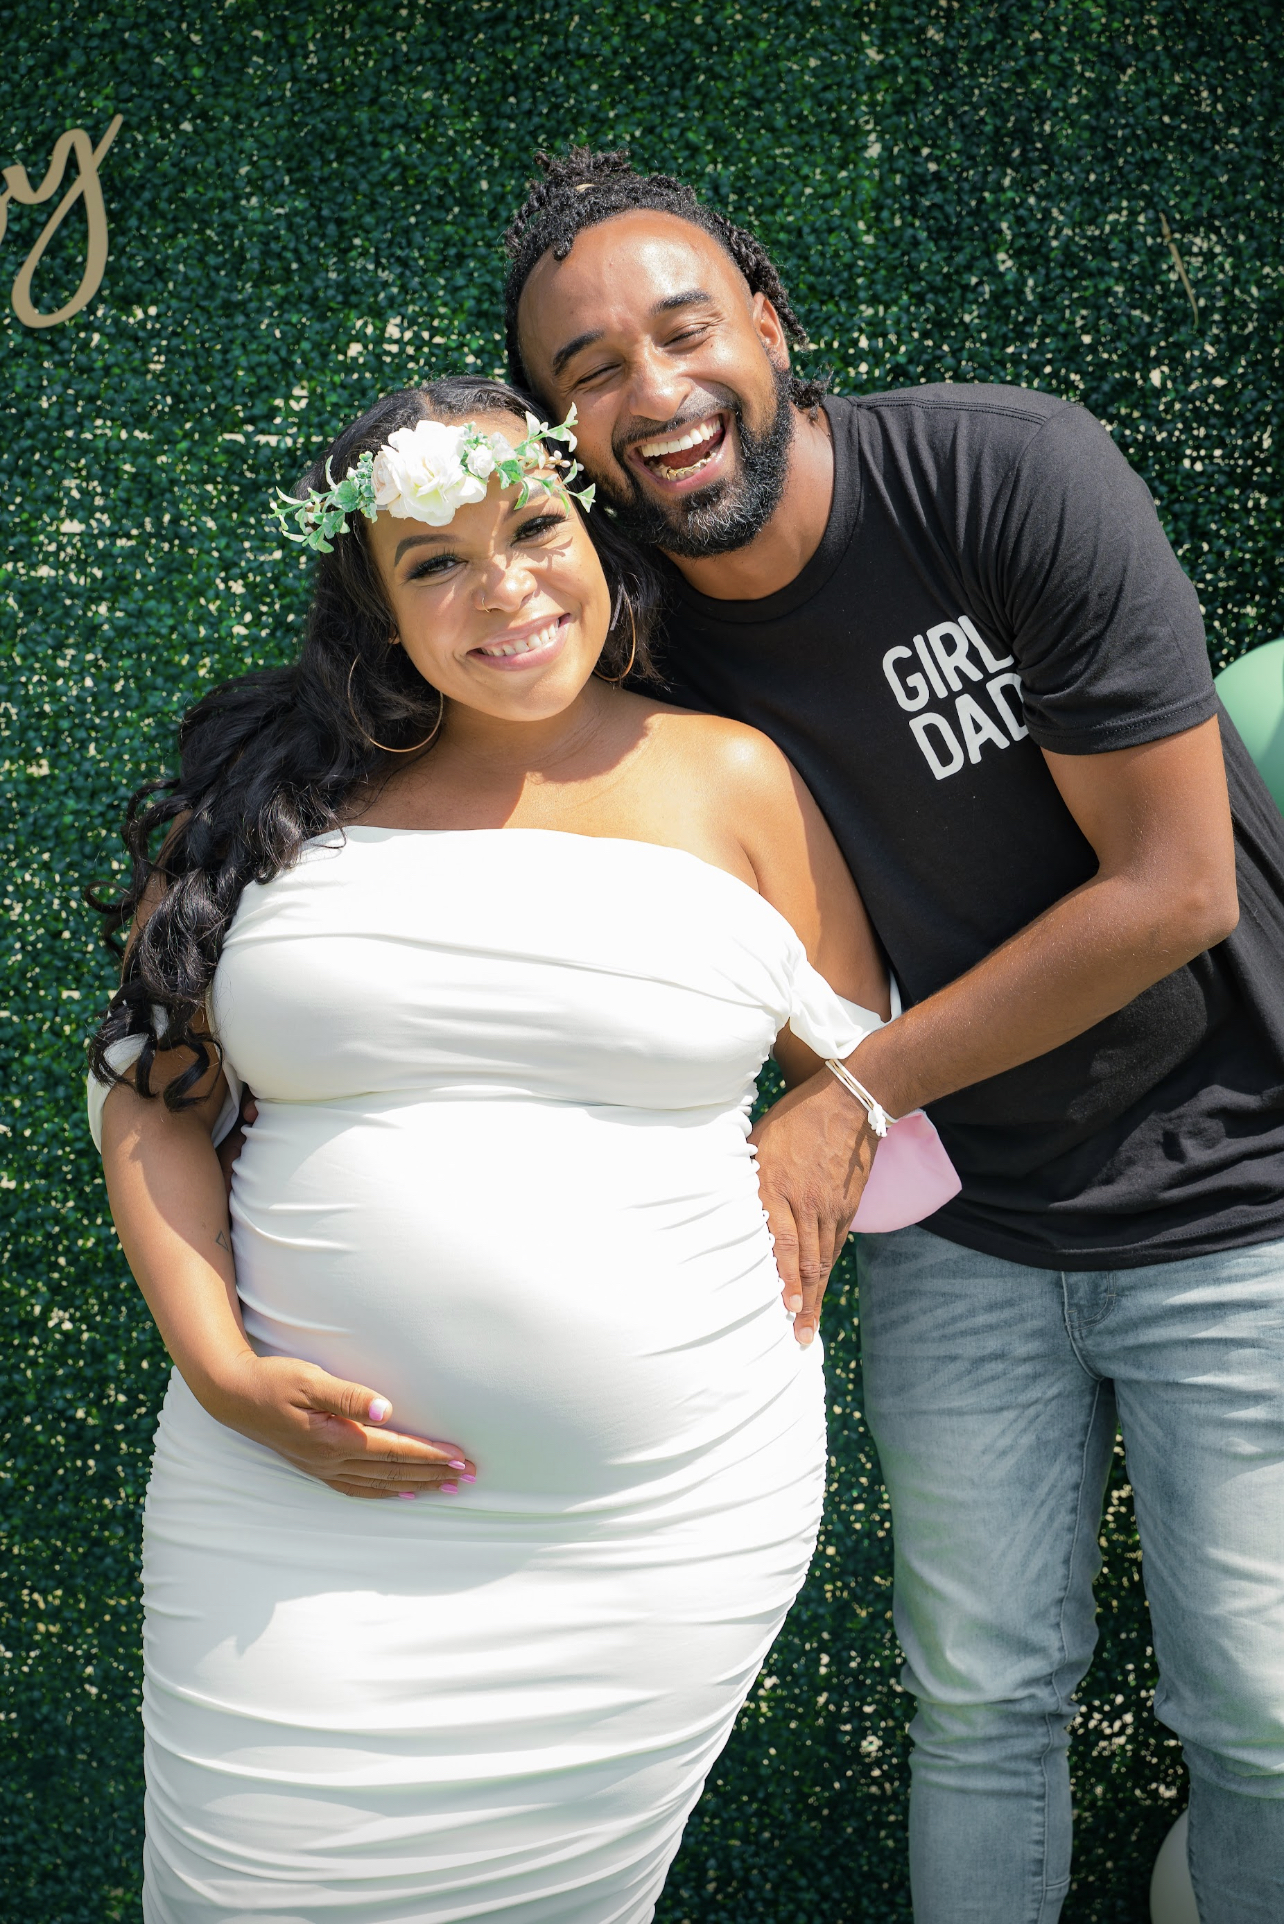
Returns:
(1252,690)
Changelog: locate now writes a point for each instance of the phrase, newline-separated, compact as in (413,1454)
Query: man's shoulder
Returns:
(938,418)
(988,431)
(939,400)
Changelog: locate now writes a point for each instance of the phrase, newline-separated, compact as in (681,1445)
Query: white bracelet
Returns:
(879,1120)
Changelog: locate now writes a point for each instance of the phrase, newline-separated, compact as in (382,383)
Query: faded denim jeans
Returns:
(992,1391)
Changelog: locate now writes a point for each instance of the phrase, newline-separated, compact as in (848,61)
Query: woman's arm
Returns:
(800,871)
(168,1202)
(798,868)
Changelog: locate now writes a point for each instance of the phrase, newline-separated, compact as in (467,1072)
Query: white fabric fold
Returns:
(825,1021)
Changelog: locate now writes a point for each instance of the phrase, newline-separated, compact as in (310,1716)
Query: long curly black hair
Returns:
(582,187)
(271,760)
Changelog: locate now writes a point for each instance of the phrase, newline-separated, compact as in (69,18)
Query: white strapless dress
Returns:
(501,1175)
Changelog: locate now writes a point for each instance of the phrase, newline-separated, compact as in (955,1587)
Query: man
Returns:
(954,608)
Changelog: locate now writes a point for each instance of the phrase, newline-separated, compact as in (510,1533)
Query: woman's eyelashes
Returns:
(540,525)
(433,565)
(534,530)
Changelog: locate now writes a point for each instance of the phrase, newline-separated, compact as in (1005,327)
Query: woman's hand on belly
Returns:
(169,1204)
(329,1429)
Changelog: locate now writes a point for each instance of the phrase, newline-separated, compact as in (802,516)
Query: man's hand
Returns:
(815,1149)
(330,1429)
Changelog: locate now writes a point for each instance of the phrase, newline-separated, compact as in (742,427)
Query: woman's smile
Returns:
(531,645)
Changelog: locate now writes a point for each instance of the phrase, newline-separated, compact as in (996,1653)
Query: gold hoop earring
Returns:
(633,652)
(429,737)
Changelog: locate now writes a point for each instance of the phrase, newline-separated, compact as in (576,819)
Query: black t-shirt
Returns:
(993,580)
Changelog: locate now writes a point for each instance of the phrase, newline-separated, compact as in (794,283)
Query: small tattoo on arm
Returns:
(222,1242)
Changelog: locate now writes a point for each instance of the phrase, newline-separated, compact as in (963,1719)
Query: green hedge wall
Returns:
(303,206)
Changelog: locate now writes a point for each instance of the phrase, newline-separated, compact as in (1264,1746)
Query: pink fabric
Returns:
(912,1176)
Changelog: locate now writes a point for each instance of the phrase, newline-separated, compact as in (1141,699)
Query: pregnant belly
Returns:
(586,1300)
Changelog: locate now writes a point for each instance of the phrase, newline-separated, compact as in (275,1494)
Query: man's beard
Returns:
(725,515)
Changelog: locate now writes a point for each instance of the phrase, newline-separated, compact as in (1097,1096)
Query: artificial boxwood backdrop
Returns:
(303,204)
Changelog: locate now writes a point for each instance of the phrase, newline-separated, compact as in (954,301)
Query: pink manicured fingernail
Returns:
(407,1495)
(379,1409)
(468,1477)
(804,1337)
(457,1463)
(449,1489)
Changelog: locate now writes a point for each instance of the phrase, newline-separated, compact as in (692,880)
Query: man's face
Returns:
(678,373)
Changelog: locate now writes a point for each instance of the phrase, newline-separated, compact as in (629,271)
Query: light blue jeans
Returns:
(992,1391)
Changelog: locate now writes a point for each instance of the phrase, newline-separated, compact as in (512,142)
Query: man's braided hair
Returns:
(580,188)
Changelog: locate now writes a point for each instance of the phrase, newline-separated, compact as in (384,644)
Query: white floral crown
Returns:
(425,473)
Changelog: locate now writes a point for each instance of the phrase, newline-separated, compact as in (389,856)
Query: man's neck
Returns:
(779,554)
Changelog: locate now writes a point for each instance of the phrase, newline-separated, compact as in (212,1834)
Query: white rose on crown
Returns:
(420,474)
(428,472)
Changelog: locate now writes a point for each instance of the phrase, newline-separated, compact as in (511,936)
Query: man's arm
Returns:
(1158,818)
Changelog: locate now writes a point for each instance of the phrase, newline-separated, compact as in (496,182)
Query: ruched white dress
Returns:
(500,1174)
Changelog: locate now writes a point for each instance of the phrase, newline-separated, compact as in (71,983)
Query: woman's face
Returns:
(505,609)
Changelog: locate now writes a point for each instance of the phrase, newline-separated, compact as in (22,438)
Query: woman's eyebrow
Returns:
(415,541)
(548,488)
(427,540)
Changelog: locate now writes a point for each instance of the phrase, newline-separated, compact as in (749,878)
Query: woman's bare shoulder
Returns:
(743,758)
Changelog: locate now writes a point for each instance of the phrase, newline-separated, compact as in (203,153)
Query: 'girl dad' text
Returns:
(946,664)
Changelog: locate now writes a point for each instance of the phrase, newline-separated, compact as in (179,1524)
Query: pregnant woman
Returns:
(500,949)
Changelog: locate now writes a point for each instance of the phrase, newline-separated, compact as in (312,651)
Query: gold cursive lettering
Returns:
(18,187)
